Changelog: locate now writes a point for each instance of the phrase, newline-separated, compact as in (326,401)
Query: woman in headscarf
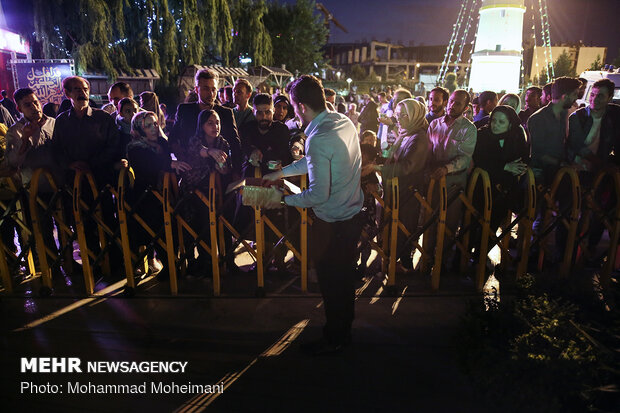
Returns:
(406,160)
(502,151)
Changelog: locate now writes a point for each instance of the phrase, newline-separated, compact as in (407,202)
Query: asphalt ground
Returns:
(403,356)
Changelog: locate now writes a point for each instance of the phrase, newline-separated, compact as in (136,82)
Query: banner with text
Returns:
(44,78)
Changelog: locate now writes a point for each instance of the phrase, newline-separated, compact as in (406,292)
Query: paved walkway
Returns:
(403,357)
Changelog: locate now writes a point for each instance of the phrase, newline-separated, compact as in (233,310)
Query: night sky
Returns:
(429,22)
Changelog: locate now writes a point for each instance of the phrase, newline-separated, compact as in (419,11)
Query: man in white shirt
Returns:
(453,140)
(333,162)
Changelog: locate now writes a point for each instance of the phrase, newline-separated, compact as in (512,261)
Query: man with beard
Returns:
(187,116)
(453,140)
(263,140)
(437,101)
(547,129)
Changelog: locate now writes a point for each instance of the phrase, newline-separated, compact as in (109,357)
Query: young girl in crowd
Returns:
(208,152)
(149,156)
(127,108)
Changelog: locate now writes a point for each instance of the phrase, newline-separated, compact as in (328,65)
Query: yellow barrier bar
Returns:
(4,270)
(304,238)
(170,184)
(427,212)
(87,269)
(126,176)
(42,250)
(613,230)
(527,223)
(260,240)
(484,241)
(391,280)
(441,227)
(23,223)
(574,214)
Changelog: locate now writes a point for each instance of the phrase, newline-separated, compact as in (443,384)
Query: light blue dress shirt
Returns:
(333,162)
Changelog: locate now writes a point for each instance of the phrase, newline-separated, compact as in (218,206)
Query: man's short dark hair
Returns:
(3,93)
(124,88)
(205,74)
(605,84)
(381,94)
(22,93)
(308,89)
(534,89)
(444,92)
(329,92)
(547,88)
(262,99)
(485,97)
(463,91)
(244,82)
(66,83)
(563,86)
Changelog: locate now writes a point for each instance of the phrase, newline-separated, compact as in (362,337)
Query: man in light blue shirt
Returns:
(333,162)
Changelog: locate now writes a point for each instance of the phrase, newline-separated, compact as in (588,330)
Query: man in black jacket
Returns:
(187,117)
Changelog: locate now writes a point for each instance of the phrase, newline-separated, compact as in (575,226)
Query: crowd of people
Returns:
(232,131)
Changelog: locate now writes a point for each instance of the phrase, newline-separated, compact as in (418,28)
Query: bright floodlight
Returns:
(496,61)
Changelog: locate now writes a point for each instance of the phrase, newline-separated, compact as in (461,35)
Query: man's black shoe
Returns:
(320,348)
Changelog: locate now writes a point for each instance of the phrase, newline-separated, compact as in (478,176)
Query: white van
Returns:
(593,75)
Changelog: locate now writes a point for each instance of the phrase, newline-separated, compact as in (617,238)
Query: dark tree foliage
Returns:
(298,34)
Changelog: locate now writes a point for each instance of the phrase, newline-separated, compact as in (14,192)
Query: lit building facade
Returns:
(496,61)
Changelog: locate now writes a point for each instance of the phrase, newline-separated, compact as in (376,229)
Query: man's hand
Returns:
(256,157)
(180,166)
(275,199)
(385,120)
(516,167)
(273,176)
(439,173)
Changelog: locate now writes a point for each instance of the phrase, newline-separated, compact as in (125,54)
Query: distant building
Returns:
(581,56)
(392,62)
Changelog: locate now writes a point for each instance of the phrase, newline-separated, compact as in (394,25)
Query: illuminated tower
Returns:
(496,61)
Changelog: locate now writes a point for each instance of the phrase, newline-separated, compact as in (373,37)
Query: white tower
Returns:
(496,61)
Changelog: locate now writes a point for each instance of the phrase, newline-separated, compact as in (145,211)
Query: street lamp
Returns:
(349,80)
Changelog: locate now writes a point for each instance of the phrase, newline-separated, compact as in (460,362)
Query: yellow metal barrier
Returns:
(527,222)
(260,220)
(483,218)
(610,219)
(170,203)
(127,212)
(571,224)
(14,208)
(65,233)
(81,212)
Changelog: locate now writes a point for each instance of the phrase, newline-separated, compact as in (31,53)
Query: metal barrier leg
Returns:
(391,280)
